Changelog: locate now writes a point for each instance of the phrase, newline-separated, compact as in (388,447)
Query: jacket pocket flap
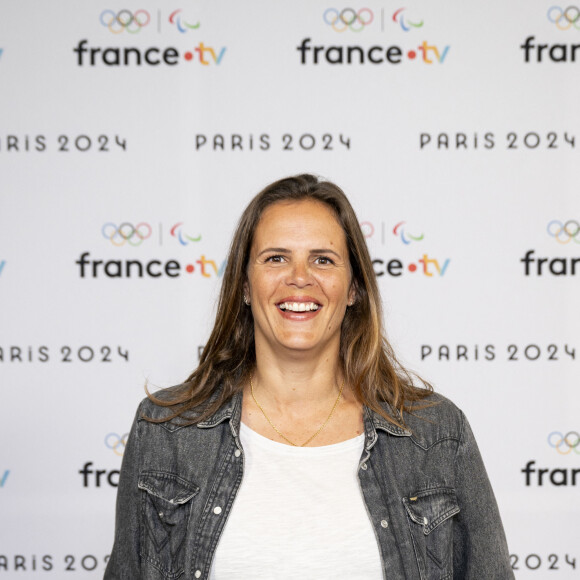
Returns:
(167,486)
(431,507)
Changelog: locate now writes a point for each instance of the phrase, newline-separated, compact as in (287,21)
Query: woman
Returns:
(300,448)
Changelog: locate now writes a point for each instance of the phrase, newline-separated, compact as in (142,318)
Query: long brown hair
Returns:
(368,361)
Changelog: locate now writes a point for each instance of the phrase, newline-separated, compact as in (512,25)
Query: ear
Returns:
(352,294)
(246,293)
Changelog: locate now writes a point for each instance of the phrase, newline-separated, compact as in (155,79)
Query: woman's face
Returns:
(299,278)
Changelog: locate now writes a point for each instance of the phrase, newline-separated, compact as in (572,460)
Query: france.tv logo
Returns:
(349,19)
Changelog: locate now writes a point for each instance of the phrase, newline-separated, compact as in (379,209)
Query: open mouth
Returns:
(298,306)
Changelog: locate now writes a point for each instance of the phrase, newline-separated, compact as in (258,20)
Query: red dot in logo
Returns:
(189,268)
(188,56)
(412,267)
(411,54)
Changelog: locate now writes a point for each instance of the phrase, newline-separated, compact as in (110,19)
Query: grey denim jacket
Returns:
(426,492)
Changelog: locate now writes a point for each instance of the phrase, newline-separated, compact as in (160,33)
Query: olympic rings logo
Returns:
(565,19)
(348,18)
(564,232)
(126,233)
(565,444)
(125,20)
(116,443)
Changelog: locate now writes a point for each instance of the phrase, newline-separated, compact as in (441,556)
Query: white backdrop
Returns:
(458,148)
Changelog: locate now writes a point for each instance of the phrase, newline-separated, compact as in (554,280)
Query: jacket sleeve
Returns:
(479,544)
(124,562)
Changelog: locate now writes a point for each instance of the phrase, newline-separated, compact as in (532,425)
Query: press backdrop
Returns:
(133,135)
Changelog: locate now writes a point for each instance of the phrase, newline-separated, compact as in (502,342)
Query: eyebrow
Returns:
(287,251)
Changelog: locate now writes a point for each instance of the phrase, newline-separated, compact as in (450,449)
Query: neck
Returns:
(296,394)
(297,382)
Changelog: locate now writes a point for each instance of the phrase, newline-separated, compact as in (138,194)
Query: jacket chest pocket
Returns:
(165,509)
(430,516)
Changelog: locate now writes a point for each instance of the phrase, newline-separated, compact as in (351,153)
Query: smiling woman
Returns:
(300,447)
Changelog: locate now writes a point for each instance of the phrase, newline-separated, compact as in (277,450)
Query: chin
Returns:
(303,343)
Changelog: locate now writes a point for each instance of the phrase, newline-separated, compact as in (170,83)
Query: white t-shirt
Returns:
(299,513)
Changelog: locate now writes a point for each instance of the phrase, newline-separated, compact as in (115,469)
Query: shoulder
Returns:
(161,406)
(435,419)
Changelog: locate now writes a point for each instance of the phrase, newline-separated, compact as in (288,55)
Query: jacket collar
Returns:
(232,410)
(373,421)
(380,422)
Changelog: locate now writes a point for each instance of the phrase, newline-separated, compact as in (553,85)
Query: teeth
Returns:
(299,306)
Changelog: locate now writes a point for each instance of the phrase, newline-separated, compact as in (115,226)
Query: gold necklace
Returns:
(284,436)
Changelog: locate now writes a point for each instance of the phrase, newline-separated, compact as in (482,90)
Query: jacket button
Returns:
(384,523)
(425,521)
(197,574)
(217,510)
(237,452)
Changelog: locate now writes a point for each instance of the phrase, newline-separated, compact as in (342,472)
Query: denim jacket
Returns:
(426,492)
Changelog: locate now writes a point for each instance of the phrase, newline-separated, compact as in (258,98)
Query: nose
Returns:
(300,274)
